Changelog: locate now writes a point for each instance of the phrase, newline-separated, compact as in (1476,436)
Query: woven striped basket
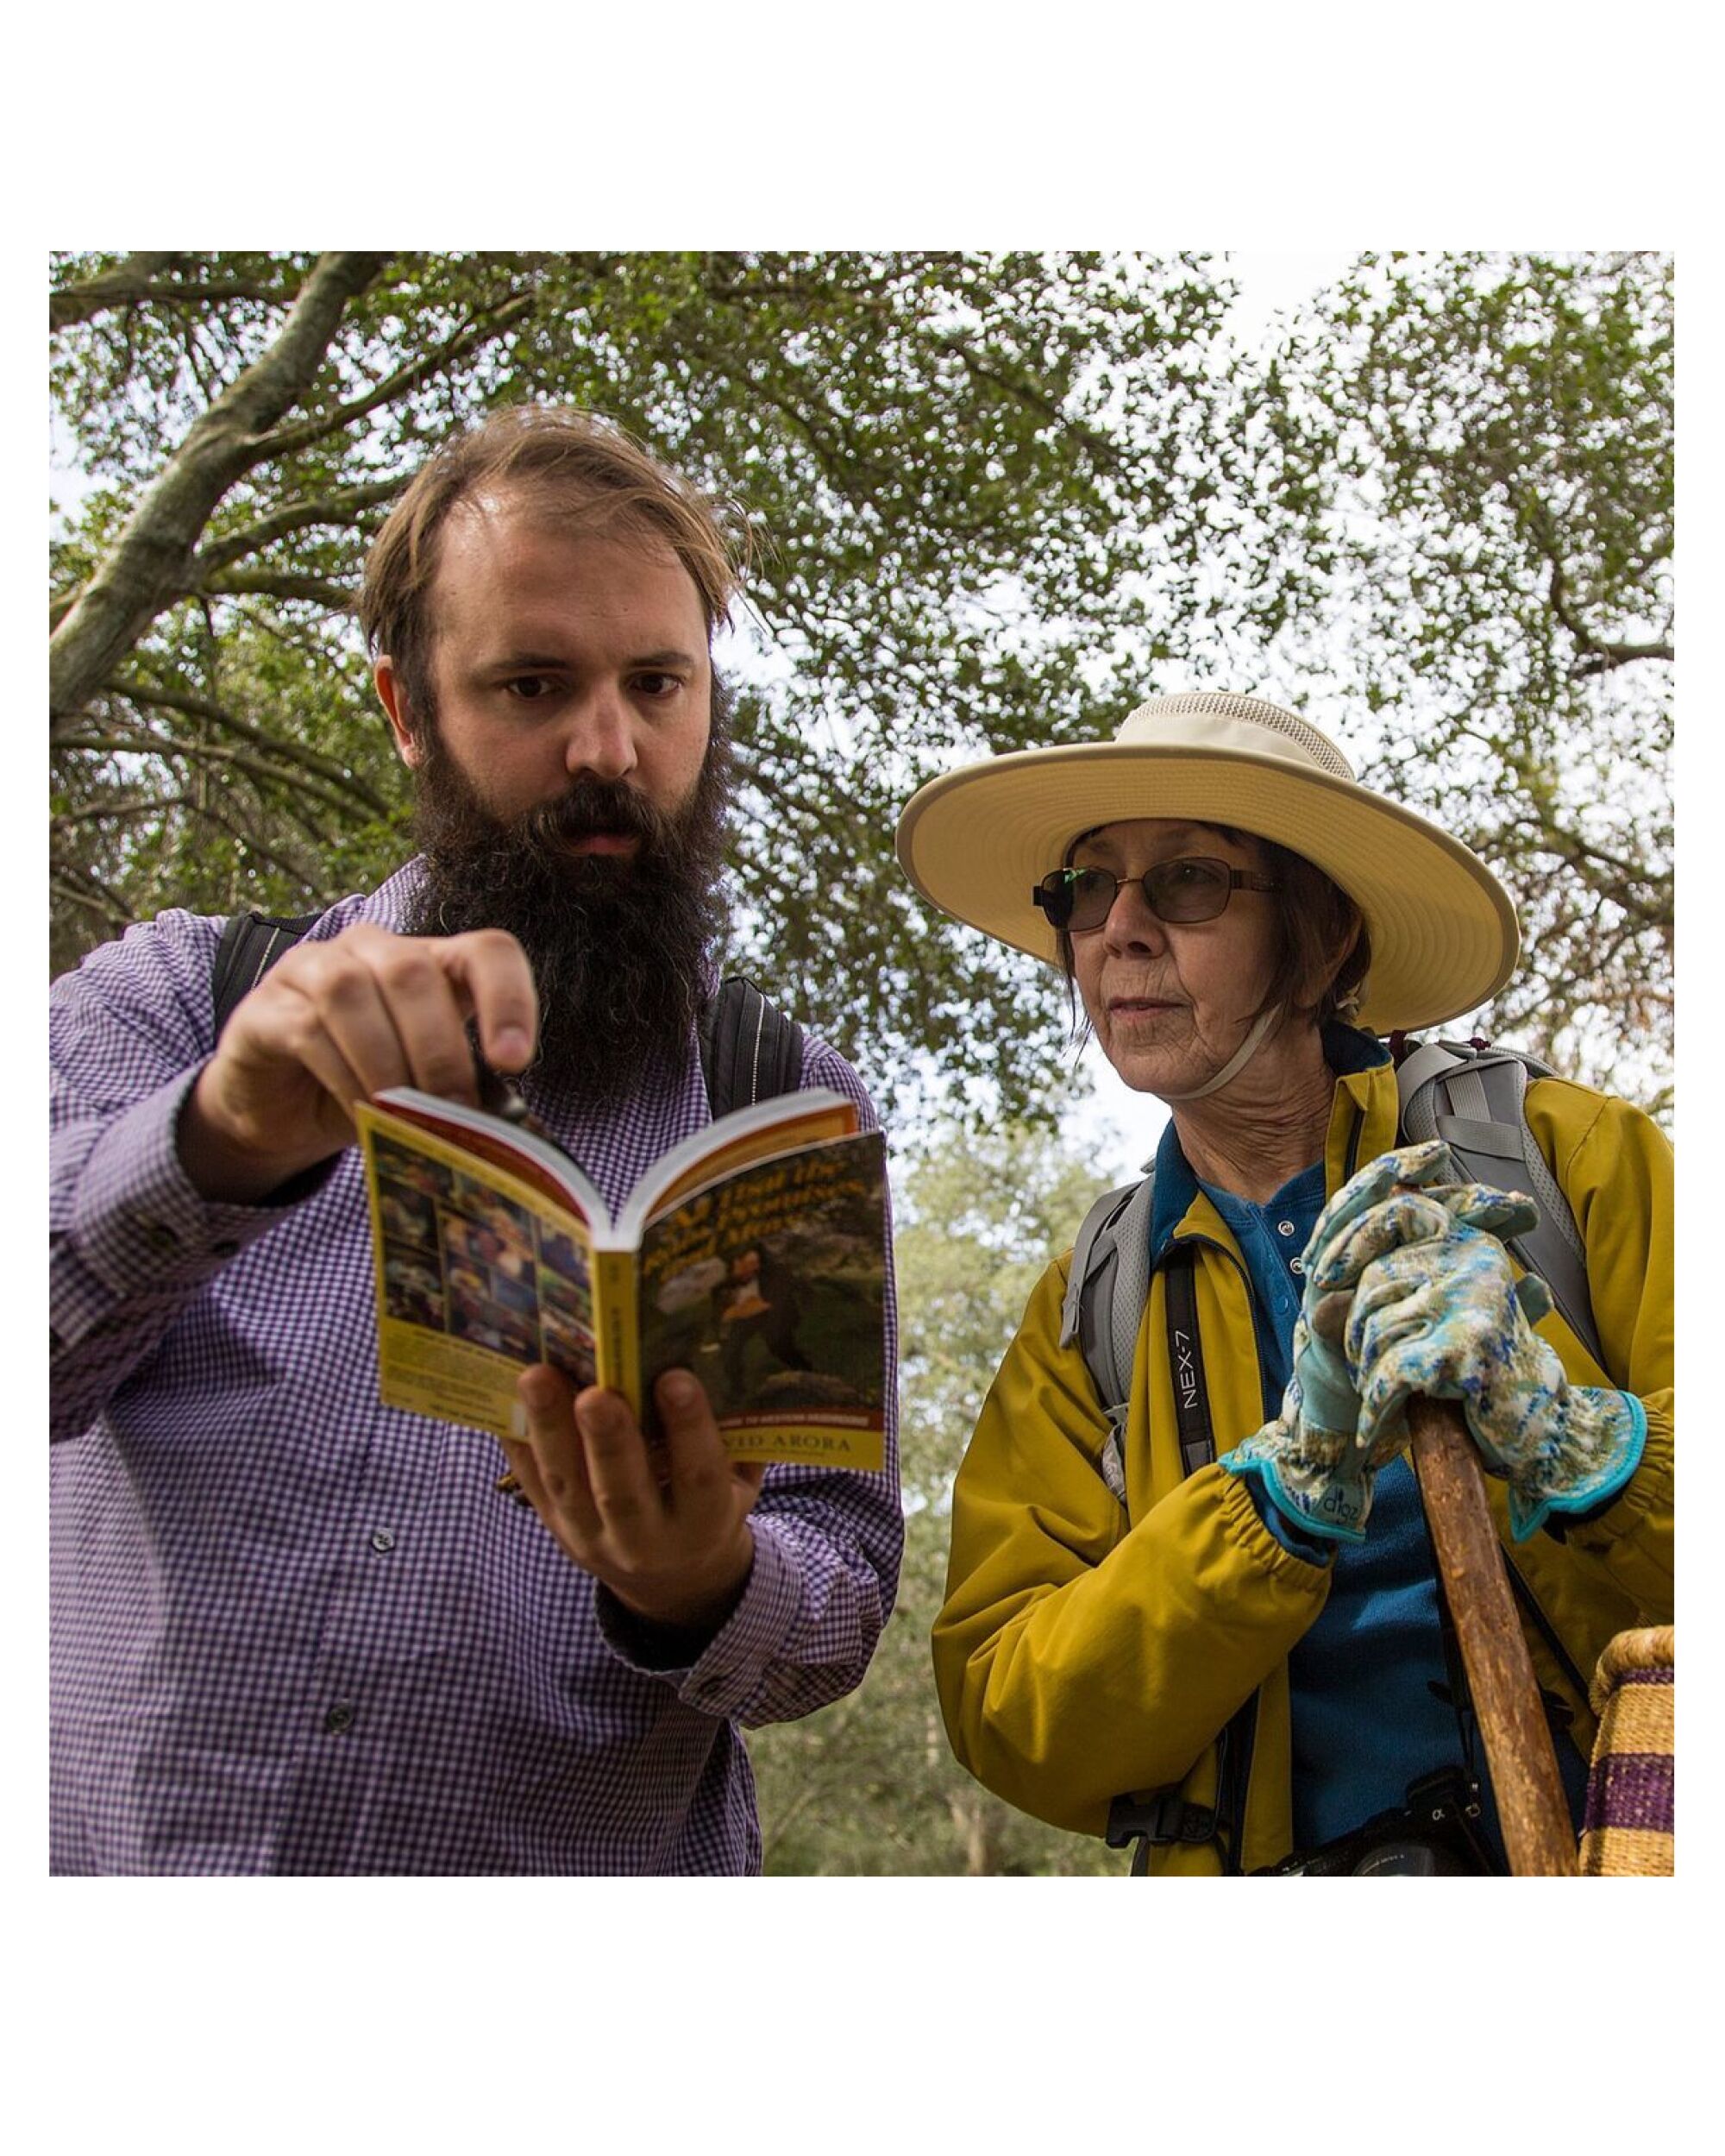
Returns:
(1629,1830)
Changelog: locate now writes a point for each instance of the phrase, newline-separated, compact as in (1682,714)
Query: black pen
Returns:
(499,1096)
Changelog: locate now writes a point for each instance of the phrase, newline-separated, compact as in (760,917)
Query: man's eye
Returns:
(658,684)
(530,687)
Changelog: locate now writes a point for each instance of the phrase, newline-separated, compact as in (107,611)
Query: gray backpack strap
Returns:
(1473,1098)
(1103,1309)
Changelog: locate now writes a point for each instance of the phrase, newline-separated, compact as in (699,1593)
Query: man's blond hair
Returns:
(572,468)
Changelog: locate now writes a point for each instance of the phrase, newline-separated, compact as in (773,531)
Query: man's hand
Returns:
(669,1534)
(336,1023)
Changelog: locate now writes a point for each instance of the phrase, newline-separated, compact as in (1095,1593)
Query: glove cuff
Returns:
(1315,1503)
(1599,1439)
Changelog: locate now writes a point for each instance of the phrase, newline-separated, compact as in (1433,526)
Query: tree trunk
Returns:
(973,1817)
(148,564)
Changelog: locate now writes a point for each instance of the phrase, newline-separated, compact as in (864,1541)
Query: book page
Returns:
(755,1133)
(479,1273)
(770,1286)
(522,1153)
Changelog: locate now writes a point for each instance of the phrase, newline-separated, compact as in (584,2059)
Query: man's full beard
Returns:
(620,946)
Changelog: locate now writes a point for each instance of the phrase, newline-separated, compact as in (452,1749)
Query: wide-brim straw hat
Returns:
(1443,930)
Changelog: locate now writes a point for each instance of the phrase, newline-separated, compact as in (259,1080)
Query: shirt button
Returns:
(383,1542)
(340,1717)
(1296,1264)
(1284,1227)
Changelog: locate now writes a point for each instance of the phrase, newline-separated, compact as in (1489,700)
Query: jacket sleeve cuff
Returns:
(1620,1517)
(1272,1544)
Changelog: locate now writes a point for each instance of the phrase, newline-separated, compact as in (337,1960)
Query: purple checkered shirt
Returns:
(293,1630)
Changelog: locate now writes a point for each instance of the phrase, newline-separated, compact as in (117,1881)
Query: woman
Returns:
(1250,1658)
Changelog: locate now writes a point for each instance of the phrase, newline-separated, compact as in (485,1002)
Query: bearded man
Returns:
(297,1631)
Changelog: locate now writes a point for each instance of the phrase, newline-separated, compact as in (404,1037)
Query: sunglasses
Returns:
(1194,888)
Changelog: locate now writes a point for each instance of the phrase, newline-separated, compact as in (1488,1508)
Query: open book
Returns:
(752,1253)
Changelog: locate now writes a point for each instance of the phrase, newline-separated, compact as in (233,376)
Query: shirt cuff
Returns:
(138,1229)
(731,1669)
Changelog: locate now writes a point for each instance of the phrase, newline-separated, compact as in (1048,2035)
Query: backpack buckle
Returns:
(1159,1817)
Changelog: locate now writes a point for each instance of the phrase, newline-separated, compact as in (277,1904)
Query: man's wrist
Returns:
(677,1640)
(225,1170)
(699,1610)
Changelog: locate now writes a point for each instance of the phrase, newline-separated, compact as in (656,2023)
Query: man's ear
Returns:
(393,698)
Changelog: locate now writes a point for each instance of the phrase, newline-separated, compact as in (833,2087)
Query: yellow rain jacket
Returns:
(1084,1651)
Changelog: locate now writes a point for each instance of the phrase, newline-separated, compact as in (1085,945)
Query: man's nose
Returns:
(601,738)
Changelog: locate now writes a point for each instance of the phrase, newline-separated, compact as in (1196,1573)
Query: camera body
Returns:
(1434,1833)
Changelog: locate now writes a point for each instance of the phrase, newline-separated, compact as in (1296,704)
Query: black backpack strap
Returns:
(251,943)
(749,1051)
(1153,1817)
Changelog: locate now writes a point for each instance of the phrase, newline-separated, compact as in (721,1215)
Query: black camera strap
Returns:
(1186,1359)
(1157,1817)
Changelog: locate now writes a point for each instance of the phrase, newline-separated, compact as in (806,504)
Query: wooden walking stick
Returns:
(1531,1808)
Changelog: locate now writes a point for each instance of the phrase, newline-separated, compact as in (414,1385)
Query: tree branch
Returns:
(119,811)
(115,288)
(80,886)
(480,331)
(340,507)
(137,281)
(1102,452)
(292,752)
(151,560)
(281,585)
(1599,656)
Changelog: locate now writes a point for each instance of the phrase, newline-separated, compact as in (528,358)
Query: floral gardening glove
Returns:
(1306,1461)
(1312,1461)
(1450,1319)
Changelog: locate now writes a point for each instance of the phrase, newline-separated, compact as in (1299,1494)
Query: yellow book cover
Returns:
(753,1254)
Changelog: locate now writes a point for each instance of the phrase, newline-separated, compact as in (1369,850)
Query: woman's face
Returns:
(1171,1001)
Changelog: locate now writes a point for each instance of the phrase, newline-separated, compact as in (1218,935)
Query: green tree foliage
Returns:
(1468,460)
(995,500)
(978,486)
(870,1784)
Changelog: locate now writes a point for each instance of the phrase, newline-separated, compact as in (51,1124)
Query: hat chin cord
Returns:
(1237,1061)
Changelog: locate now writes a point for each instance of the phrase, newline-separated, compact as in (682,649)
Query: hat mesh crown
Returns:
(1224,704)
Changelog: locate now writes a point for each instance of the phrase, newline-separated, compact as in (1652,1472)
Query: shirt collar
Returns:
(1347,1050)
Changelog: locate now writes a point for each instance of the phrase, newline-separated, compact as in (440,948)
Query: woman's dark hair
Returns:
(1324,949)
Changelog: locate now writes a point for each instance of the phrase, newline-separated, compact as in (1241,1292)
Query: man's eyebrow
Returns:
(552,662)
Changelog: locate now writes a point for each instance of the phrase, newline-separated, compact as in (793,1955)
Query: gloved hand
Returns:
(1308,1461)
(1450,1319)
